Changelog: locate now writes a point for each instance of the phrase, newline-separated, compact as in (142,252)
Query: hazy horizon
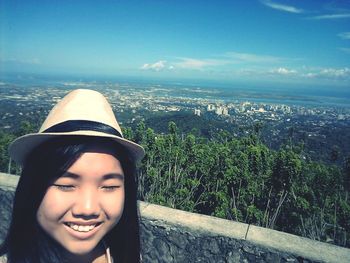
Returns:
(288,94)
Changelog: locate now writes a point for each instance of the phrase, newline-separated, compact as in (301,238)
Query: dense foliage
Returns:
(239,179)
(242,179)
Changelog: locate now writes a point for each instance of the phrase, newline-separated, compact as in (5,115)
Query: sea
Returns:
(289,94)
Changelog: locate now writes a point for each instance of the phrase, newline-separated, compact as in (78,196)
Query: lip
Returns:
(83,235)
(83,223)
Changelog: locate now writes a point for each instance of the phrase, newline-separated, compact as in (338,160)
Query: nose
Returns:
(86,204)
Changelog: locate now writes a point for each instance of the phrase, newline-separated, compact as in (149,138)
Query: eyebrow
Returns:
(104,177)
(113,176)
(70,175)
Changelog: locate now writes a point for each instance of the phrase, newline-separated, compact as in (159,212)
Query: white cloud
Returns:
(264,72)
(225,59)
(331,16)
(344,35)
(281,7)
(235,64)
(329,73)
(310,75)
(192,63)
(303,72)
(216,63)
(183,64)
(158,66)
(283,71)
(252,58)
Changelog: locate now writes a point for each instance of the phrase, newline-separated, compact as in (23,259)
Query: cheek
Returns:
(113,206)
(53,207)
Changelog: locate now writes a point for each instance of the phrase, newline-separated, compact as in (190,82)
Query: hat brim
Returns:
(20,148)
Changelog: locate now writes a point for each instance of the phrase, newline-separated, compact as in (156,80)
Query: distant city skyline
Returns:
(255,42)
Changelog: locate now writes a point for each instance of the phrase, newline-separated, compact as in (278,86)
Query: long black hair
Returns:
(27,242)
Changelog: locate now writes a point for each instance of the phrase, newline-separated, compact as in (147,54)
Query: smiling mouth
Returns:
(82,228)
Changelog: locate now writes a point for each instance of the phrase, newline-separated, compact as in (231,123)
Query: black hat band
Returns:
(83,125)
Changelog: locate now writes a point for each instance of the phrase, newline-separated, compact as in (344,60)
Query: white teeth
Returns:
(81,228)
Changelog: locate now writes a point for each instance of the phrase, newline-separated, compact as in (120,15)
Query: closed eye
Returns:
(64,187)
(110,188)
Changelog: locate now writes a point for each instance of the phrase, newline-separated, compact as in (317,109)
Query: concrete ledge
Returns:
(264,237)
(200,223)
(296,245)
(8,182)
(211,226)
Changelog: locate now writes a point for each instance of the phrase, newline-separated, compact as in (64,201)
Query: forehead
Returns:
(96,164)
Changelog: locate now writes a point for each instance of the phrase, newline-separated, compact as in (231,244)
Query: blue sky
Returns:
(257,41)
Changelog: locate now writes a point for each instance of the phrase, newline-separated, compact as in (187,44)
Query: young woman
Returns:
(76,197)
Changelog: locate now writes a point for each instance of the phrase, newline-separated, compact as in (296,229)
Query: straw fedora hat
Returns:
(81,112)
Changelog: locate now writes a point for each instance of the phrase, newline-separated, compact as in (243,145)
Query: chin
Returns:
(81,248)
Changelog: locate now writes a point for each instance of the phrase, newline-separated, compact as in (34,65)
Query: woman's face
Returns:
(85,203)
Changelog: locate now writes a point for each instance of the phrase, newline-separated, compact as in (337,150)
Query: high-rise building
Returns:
(218,110)
(210,107)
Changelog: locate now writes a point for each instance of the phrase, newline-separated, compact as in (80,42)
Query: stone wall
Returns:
(170,235)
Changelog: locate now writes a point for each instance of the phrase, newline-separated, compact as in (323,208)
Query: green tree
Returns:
(140,132)
(346,177)
(6,165)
